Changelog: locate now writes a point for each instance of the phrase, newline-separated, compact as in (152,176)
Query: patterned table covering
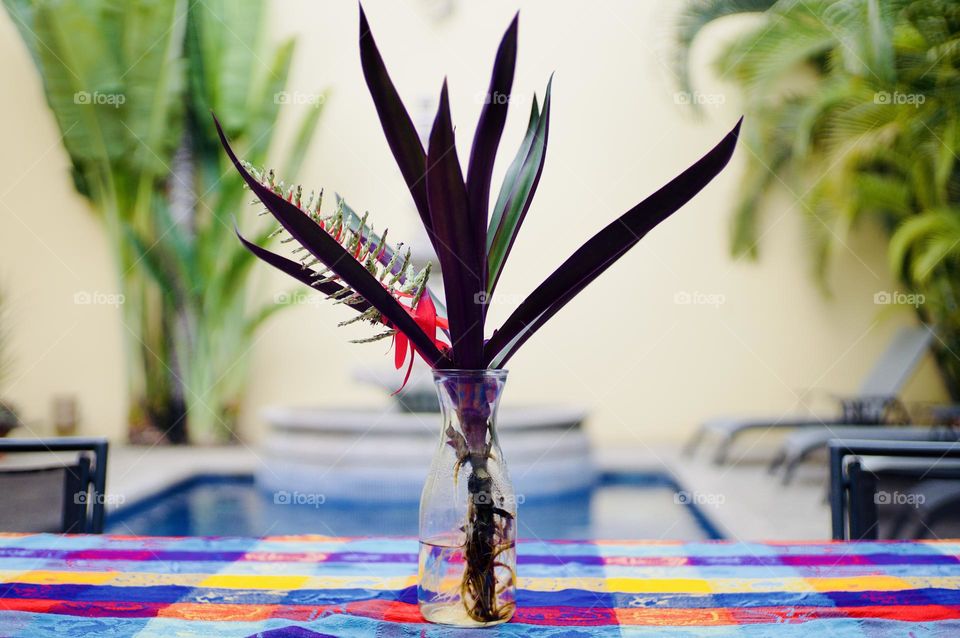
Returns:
(304,587)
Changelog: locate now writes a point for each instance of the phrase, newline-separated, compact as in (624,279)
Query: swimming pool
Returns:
(620,505)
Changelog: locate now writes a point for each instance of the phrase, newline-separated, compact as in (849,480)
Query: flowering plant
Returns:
(342,256)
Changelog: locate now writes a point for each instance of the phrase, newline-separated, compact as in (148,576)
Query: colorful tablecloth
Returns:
(56,586)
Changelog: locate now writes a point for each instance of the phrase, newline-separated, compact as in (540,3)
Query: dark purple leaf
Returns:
(601,250)
(487,137)
(455,242)
(397,126)
(332,254)
(298,271)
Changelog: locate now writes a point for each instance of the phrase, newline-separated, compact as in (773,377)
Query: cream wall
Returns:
(649,368)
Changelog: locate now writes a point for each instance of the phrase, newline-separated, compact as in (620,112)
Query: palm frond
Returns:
(762,60)
(923,243)
(694,17)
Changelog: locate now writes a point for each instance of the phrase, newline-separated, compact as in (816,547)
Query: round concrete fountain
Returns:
(351,453)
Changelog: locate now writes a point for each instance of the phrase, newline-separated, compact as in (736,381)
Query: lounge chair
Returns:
(875,403)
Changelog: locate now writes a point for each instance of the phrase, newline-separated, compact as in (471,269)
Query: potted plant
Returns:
(467,511)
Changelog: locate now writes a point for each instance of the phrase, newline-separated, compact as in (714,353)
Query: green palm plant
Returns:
(853,106)
(198,265)
(130,85)
(109,76)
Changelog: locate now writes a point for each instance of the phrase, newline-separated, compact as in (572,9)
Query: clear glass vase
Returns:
(468,511)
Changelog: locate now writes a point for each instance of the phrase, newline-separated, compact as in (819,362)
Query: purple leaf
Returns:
(602,250)
(397,126)
(455,242)
(332,254)
(487,137)
(298,271)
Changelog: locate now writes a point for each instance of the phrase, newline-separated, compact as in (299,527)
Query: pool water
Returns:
(621,505)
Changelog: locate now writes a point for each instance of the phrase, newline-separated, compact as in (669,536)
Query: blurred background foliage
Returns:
(852,105)
(131,85)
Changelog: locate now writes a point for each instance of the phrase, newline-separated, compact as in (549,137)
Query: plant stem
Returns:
(487,525)
(486,538)
(479,578)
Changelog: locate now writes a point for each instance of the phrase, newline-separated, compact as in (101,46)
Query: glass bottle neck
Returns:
(468,401)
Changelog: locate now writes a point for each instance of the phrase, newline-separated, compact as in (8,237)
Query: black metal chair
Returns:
(925,476)
(66,497)
(800,445)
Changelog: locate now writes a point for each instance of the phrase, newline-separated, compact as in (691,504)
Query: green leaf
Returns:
(516,193)
(262,314)
(510,178)
(158,264)
(907,245)
(266,103)
(152,44)
(75,72)
(932,256)
(694,17)
(304,136)
(228,34)
(762,59)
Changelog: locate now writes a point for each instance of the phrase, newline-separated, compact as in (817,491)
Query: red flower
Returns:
(425,314)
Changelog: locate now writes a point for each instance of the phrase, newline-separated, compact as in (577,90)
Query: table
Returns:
(314,586)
